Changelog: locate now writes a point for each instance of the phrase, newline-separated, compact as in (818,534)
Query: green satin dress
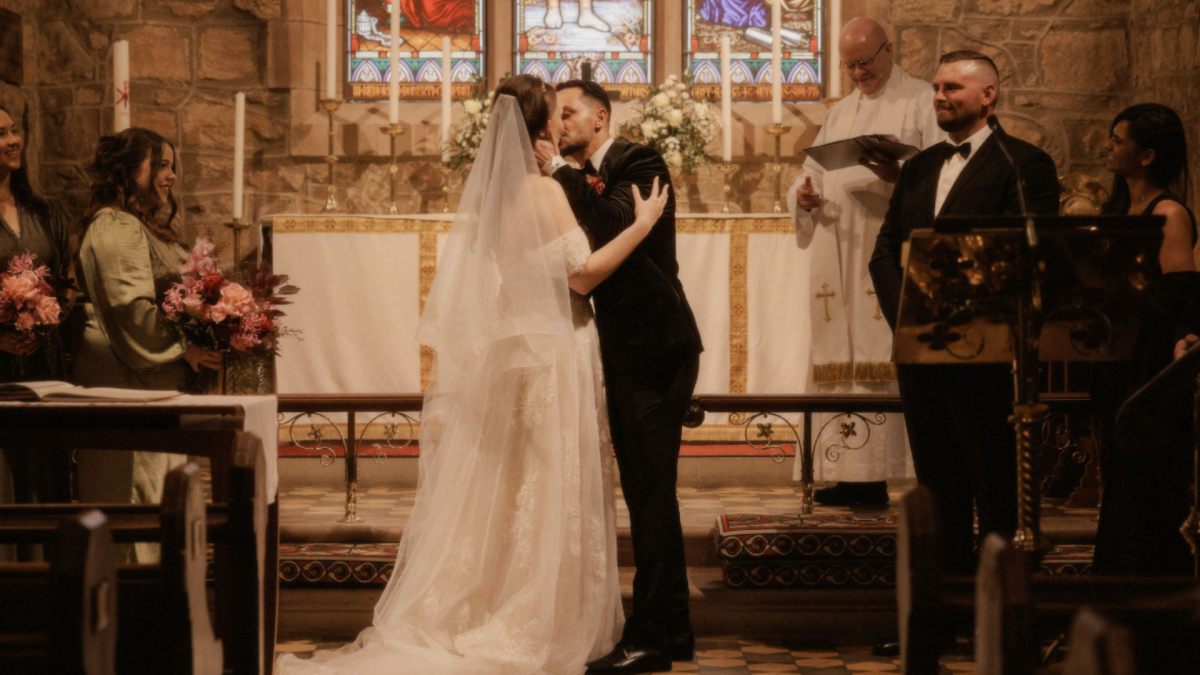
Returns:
(46,236)
(128,342)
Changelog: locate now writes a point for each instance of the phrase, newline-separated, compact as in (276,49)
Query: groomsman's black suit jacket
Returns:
(641,310)
(986,187)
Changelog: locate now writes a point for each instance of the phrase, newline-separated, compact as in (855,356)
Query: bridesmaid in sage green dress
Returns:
(127,257)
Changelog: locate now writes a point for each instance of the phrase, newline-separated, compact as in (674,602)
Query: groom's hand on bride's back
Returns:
(647,211)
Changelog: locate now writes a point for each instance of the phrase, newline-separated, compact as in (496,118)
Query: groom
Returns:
(650,347)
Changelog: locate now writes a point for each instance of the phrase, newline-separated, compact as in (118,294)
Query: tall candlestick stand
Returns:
(778,130)
(331,105)
(728,169)
(447,171)
(237,225)
(393,130)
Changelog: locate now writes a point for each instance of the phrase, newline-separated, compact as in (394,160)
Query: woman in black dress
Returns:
(29,223)
(1147,482)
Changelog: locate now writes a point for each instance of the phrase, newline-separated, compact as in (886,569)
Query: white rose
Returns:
(675,117)
(661,101)
(472,106)
(700,110)
(649,129)
(685,96)
(674,160)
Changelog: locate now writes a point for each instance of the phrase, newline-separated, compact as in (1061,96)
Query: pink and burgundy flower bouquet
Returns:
(28,300)
(215,312)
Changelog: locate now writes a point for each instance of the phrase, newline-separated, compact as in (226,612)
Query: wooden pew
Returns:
(1167,641)
(1005,606)
(1012,604)
(60,617)
(238,528)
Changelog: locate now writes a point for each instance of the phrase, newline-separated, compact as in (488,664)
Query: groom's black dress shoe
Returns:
(629,660)
(682,647)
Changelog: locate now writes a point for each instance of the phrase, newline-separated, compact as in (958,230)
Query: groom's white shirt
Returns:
(598,157)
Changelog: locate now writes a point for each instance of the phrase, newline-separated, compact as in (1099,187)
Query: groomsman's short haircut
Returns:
(969,55)
(591,91)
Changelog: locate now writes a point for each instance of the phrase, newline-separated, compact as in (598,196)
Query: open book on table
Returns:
(65,391)
(841,154)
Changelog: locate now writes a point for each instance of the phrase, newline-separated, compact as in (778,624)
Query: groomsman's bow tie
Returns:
(952,150)
(589,169)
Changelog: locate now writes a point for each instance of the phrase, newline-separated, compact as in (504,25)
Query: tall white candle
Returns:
(776,62)
(446,99)
(394,68)
(120,86)
(331,48)
(835,50)
(726,103)
(239,151)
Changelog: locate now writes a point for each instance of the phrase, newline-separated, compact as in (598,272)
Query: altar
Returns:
(364,280)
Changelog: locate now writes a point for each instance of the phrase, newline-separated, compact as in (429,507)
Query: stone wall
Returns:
(1067,66)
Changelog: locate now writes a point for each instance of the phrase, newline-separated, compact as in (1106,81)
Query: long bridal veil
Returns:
(508,562)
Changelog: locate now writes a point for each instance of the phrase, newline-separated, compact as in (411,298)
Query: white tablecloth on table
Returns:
(261,419)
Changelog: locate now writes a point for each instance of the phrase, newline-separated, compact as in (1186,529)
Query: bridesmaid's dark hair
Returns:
(114,180)
(537,101)
(1153,126)
(22,191)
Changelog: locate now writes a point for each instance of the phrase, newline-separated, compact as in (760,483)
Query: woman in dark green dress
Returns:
(29,223)
(128,255)
(1147,478)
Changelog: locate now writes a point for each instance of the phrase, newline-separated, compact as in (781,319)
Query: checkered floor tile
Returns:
(731,656)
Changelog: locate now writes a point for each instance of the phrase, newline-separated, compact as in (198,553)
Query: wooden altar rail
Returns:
(769,407)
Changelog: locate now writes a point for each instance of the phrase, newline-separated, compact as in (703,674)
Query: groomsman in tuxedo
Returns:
(650,347)
(964,449)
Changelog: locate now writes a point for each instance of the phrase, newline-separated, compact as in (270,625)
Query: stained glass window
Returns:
(555,38)
(748,25)
(424,24)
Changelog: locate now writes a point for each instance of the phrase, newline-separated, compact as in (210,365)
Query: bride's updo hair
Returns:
(537,101)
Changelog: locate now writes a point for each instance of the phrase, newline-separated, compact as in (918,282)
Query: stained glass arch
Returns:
(424,24)
(748,25)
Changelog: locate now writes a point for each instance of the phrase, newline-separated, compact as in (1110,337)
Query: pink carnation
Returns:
(24,321)
(199,261)
(21,263)
(173,302)
(243,341)
(21,289)
(235,302)
(47,311)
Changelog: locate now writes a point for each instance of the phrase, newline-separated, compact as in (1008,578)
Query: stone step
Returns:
(847,615)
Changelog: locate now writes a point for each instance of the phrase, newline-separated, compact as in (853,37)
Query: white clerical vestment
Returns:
(851,341)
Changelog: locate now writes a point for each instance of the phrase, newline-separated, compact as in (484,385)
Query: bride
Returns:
(508,562)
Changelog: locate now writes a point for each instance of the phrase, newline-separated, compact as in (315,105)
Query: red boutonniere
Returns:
(596,183)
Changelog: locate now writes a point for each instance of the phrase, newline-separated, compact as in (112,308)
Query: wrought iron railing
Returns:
(758,415)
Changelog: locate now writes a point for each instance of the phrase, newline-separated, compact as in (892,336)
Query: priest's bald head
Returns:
(964,92)
(866,54)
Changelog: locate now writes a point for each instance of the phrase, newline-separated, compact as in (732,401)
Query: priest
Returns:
(837,215)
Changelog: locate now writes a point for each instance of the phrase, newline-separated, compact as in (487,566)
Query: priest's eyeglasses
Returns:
(865,62)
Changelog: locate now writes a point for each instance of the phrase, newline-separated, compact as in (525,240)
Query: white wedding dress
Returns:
(508,562)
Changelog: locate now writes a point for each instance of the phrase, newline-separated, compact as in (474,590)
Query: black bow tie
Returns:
(589,169)
(952,150)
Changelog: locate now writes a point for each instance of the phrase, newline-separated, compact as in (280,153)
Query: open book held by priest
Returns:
(845,153)
(65,391)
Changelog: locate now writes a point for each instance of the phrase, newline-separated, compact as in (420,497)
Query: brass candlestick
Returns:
(728,169)
(393,130)
(237,225)
(446,173)
(778,130)
(331,105)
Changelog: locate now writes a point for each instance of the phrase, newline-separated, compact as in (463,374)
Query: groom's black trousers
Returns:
(646,407)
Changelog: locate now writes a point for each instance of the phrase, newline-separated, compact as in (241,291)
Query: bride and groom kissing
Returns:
(508,563)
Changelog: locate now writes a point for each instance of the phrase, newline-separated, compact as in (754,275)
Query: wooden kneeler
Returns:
(60,617)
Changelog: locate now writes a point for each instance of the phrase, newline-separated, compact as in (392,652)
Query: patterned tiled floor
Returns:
(731,656)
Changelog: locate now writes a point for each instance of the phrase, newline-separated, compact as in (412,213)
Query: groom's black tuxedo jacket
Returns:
(987,186)
(641,310)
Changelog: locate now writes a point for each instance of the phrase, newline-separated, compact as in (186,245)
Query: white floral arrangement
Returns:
(464,143)
(674,125)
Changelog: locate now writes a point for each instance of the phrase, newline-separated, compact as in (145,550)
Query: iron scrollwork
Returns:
(316,436)
(765,431)
(390,433)
(848,428)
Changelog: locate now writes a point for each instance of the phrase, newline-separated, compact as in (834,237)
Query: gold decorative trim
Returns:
(868,373)
(739,338)
(766,225)
(358,225)
(427,269)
